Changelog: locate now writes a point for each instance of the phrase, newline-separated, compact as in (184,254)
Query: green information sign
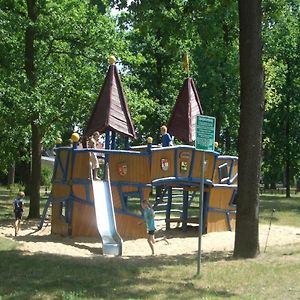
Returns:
(205,133)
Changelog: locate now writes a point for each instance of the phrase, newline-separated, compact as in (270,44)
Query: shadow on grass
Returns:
(28,276)
(282,205)
(268,202)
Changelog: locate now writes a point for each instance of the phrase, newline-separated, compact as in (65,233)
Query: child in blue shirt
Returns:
(166,139)
(149,219)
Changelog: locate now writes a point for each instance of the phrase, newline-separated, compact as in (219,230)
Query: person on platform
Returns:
(93,143)
(166,139)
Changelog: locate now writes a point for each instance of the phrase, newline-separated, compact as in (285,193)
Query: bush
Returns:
(46,175)
(15,188)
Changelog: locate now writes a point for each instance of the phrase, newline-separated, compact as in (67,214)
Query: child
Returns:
(166,138)
(92,143)
(99,139)
(18,205)
(149,219)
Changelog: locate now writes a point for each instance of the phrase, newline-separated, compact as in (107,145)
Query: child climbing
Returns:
(18,206)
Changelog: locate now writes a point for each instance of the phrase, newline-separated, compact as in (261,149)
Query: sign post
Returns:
(205,141)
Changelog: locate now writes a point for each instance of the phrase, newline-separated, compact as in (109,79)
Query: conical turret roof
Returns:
(111,109)
(182,123)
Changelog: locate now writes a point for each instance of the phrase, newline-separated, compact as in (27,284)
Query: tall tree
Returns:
(158,35)
(282,59)
(160,32)
(250,132)
(30,70)
(216,58)
(57,59)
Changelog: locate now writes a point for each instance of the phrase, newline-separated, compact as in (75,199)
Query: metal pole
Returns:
(273,210)
(200,213)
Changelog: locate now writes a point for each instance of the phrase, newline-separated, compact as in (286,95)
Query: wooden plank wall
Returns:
(220,197)
(81,166)
(129,168)
(58,223)
(84,217)
(184,160)
(84,220)
(209,166)
(231,161)
(60,189)
(62,167)
(130,227)
(235,172)
(156,163)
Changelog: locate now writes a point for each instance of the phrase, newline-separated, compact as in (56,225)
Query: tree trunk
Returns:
(23,171)
(287,137)
(250,131)
(34,208)
(11,174)
(159,71)
(297,185)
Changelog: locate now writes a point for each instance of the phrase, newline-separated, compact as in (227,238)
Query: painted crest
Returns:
(164,164)
(183,166)
(122,169)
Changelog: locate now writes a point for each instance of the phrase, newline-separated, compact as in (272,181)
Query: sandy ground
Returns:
(179,242)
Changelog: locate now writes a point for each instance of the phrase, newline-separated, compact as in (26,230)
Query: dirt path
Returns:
(34,241)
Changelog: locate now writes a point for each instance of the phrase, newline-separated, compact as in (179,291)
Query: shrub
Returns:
(46,176)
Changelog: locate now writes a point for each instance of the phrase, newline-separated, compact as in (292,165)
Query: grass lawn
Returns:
(287,210)
(272,275)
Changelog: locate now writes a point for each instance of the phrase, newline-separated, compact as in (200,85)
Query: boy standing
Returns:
(18,205)
(166,139)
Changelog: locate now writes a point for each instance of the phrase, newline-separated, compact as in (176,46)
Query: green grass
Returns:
(272,275)
(287,209)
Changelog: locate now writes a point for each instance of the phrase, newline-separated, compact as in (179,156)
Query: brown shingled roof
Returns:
(111,109)
(183,119)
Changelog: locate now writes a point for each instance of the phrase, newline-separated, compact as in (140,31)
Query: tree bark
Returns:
(250,131)
(287,136)
(11,174)
(297,186)
(34,208)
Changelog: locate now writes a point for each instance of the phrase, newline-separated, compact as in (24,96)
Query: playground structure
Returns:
(77,202)
(82,206)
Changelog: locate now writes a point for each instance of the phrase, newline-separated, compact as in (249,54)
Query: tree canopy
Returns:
(53,60)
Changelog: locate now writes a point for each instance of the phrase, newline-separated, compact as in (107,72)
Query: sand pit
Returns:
(33,241)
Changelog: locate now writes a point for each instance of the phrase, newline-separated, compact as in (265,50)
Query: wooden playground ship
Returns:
(82,206)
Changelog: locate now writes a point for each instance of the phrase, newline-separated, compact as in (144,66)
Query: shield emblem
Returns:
(164,164)
(122,169)
(183,166)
